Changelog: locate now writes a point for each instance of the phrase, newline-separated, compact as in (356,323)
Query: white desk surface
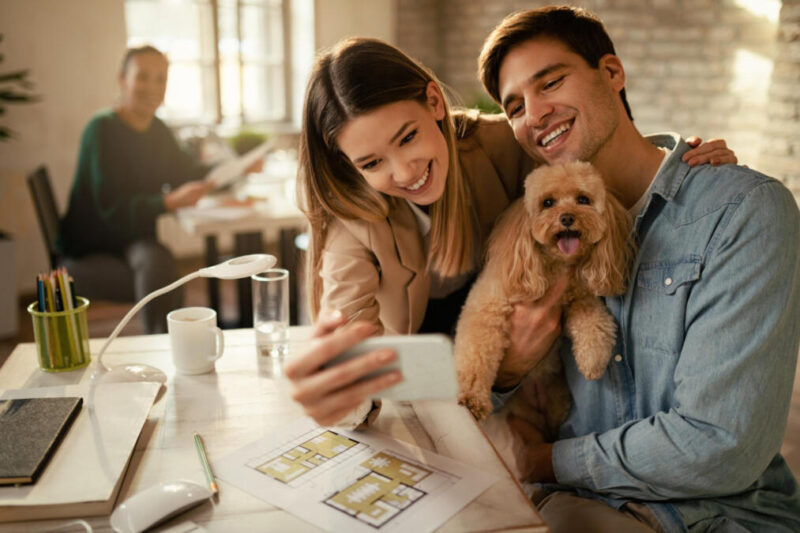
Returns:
(243,400)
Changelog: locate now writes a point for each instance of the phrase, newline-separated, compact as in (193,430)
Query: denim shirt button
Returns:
(618,358)
(668,282)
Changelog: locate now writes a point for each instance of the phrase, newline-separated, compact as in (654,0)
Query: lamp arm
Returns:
(138,306)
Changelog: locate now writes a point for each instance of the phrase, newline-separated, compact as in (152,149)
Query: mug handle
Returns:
(220,344)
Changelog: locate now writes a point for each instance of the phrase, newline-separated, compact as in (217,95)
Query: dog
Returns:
(566,222)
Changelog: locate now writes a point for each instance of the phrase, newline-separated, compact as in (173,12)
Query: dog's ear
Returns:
(606,271)
(513,247)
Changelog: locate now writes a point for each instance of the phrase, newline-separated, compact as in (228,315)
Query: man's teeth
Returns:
(550,137)
(421,182)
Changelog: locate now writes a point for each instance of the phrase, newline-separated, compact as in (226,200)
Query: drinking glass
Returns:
(271,312)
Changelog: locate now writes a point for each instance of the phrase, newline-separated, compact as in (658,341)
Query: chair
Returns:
(105,307)
(46,210)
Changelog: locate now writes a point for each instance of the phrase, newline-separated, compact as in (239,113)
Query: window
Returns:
(228,58)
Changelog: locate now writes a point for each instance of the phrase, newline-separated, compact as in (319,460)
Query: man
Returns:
(683,430)
(130,170)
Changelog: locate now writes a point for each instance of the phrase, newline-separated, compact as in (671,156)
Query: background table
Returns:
(245,399)
(277,214)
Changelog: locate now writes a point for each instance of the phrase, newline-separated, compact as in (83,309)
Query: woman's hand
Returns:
(714,151)
(327,395)
(187,194)
(535,326)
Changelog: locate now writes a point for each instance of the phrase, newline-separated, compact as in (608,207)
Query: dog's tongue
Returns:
(568,245)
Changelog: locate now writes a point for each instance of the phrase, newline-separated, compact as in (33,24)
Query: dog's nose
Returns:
(567,220)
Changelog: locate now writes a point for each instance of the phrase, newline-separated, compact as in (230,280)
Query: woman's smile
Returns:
(415,187)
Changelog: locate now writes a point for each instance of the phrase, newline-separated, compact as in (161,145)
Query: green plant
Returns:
(484,104)
(246,140)
(15,88)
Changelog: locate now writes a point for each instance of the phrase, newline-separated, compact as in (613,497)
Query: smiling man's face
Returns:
(559,107)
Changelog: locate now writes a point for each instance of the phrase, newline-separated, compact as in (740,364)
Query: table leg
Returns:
(246,243)
(212,258)
(289,261)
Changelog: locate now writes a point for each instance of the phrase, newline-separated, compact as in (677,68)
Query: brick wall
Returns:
(780,154)
(698,67)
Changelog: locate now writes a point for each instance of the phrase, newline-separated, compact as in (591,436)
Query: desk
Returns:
(243,401)
(277,213)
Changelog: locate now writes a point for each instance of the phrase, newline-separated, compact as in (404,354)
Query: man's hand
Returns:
(535,326)
(187,194)
(537,464)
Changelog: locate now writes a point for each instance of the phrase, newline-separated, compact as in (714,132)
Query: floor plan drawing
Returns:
(306,456)
(385,490)
(353,481)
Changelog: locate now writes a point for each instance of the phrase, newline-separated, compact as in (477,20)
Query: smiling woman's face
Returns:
(399,148)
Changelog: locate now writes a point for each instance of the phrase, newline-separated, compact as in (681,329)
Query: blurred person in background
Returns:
(130,170)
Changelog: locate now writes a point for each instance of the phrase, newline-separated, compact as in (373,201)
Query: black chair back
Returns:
(46,210)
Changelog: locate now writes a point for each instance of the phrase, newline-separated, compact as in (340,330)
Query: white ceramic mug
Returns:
(196,340)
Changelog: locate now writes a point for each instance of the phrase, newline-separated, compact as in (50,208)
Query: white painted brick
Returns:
(724,34)
(678,56)
(784,91)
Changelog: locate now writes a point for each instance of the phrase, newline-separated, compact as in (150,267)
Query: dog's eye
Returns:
(548,202)
(584,200)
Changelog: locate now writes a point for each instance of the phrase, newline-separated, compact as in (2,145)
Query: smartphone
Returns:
(425,360)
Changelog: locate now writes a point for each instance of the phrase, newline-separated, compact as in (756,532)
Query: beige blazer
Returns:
(376,271)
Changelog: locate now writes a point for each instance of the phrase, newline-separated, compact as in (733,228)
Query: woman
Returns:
(130,170)
(401,195)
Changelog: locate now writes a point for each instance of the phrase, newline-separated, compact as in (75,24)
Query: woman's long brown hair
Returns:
(356,77)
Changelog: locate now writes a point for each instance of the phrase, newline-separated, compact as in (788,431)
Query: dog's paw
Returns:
(592,368)
(480,408)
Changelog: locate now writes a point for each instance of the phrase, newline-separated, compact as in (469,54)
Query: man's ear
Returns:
(435,100)
(611,65)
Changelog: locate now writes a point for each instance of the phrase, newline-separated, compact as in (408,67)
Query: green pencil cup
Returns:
(62,337)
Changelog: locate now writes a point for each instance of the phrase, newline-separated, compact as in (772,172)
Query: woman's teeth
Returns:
(422,180)
(550,137)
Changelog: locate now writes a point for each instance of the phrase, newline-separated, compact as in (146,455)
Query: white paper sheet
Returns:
(223,213)
(353,481)
(228,171)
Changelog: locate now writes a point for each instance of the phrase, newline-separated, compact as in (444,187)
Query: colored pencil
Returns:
(201,452)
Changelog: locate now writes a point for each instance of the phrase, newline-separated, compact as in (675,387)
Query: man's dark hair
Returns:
(580,31)
(130,53)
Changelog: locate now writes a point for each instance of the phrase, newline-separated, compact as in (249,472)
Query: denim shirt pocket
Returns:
(659,307)
(668,276)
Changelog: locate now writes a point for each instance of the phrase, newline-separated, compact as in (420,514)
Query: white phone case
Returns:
(426,361)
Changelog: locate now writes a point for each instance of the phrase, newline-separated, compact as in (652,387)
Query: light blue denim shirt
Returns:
(691,411)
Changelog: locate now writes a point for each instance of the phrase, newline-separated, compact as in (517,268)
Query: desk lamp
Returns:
(235,268)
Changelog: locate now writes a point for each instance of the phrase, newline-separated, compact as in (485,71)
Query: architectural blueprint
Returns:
(353,481)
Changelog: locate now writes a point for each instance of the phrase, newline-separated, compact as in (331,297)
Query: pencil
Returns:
(201,452)
(40,293)
(72,292)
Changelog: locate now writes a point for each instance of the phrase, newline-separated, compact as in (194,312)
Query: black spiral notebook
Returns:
(30,431)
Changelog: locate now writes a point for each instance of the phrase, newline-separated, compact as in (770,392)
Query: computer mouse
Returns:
(156,504)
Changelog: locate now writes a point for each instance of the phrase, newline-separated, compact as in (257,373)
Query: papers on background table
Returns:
(228,171)
(219,212)
(353,481)
(85,474)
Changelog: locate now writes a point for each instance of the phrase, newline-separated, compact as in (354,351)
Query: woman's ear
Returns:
(435,100)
